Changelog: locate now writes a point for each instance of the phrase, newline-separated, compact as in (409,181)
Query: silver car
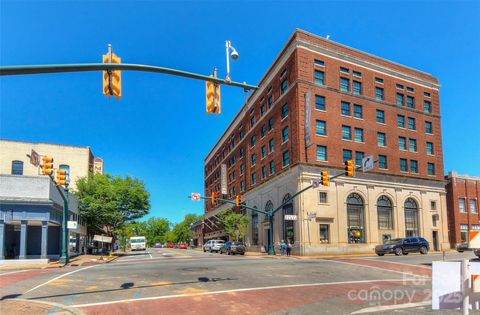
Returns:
(213,245)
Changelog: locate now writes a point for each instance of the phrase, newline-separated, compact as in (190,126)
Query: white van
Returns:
(138,243)
(213,245)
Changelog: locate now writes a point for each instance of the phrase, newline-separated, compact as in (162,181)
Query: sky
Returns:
(158,131)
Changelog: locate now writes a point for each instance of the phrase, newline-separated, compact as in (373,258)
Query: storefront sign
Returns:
(102,238)
(72,225)
(290,217)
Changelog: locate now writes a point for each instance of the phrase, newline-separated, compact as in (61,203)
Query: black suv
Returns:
(232,248)
(403,246)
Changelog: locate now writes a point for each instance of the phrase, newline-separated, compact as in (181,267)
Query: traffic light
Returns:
(47,165)
(324,178)
(349,168)
(61,177)
(112,79)
(212,97)
(214,198)
(238,200)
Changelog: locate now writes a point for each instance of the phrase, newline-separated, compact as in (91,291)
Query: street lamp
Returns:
(234,55)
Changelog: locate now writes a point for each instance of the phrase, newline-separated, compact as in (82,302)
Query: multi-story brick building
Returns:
(463,193)
(319,104)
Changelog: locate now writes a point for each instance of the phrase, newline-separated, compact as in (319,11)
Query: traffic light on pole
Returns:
(238,200)
(47,165)
(212,97)
(349,168)
(214,198)
(112,79)
(324,178)
(61,177)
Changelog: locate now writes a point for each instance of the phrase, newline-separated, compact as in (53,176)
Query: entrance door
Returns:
(435,240)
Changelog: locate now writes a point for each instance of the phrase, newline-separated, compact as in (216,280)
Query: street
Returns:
(175,281)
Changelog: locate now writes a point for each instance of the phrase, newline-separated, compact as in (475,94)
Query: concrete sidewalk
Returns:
(22,306)
(75,261)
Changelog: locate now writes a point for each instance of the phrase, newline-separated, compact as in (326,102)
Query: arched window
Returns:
(355,217)
(17,168)
(411,218)
(288,225)
(385,213)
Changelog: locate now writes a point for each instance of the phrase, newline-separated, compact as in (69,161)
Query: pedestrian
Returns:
(282,247)
(289,248)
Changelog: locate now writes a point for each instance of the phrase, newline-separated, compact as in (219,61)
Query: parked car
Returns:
(158,245)
(476,251)
(169,245)
(403,246)
(232,248)
(213,245)
(182,246)
(461,247)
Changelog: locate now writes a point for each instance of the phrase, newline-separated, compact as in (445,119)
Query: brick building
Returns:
(321,103)
(463,193)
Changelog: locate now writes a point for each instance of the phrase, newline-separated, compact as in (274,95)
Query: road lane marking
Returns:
(381,308)
(59,277)
(12,272)
(175,252)
(398,263)
(151,257)
(405,273)
(240,290)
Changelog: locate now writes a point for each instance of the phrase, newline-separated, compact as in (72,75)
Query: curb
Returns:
(59,307)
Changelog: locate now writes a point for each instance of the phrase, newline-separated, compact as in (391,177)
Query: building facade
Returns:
(463,193)
(319,104)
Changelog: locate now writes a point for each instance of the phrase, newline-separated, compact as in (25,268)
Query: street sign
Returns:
(34,158)
(72,225)
(224,179)
(312,216)
(316,182)
(291,217)
(195,196)
(102,238)
(367,163)
(474,239)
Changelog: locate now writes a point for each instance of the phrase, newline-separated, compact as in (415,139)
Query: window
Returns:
(385,213)
(252,121)
(319,77)
(379,94)
(461,205)
(270,102)
(428,127)
(412,145)
(355,219)
(242,152)
(399,86)
(358,135)
(357,111)
(272,167)
(320,128)
(345,108)
(413,166)
(410,89)
(357,74)
(402,143)
(382,161)
(411,218)
(399,99)
(347,155)
(357,88)
(381,139)
(410,102)
(254,178)
(241,134)
(288,225)
(262,110)
(426,94)
(264,152)
(411,123)
(319,63)
(427,107)
(403,165)
(358,158)
(283,86)
(380,116)
(379,80)
(401,121)
(271,145)
(264,172)
(323,197)
(285,134)
(429,148)
(242,169)
(263,131)
(324,233)
(284,110)
(344,70)
(286,158)
(431,169)
(321,153)
(319,102)
(463,232)
(433,205)
(284,72)
(254,159)
(472,204)
(346,133)
(270,124)
(253,140)
(344,85)
(17,168)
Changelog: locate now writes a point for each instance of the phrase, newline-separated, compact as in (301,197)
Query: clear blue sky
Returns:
(158,131)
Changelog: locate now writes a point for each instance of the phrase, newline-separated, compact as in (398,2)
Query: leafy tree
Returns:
(182,232)
(234,224)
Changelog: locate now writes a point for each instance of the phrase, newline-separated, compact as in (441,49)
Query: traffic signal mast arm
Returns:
(234,203)
(38,69)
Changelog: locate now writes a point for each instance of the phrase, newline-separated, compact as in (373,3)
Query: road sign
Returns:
(72,225)
(34,158)
(367,163)
(224,179)
(312,216)
(316,182)
(102,238)
(195,196)
(290,217)
(474,239)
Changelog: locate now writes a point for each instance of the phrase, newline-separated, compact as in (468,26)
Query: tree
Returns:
(234,224)
(108,202)
(182,232)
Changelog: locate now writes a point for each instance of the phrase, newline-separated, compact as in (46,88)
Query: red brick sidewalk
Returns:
(21,306)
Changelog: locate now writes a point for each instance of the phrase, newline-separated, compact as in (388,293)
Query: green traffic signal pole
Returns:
(64,251)
(39,69)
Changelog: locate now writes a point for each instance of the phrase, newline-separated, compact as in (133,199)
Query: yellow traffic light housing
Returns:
(61,177)
(324,178)
(214,198)
(47,165)
(112,79)
(212,97)
(349,168)
(238,200)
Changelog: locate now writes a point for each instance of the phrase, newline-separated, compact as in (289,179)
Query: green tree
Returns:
(182,232)
(234,224)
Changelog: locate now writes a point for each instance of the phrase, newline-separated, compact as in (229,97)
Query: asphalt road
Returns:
(174,281)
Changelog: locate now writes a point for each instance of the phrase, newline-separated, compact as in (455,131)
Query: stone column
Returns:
(44,239)
(2,239)
(23,239)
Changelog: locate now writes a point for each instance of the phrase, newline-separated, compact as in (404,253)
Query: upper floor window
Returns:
(413,145)
(321,153)
(461,204)
(347,155)
(411,123)
(252,121)
(345,108)
(319,102)
(270,124)
(319,63)
(242,152)
(320,128)
(400,99)
(431,169)
(254,159)
(283,86)
(262,109)
(410,89)
(382,162)
(379,80)
(399,86)
(401,121)
(414,166)
(284,110)
(473,206)
(254,178)
(357,111)
(346,133)
(253,140)
(263,131)
(427,107)
(359,158)
(380,116)
(17,168)
(285,134)
(429,148)
(319,77)
(358,134)
(403,165)
(357,74)
(286,158)
(426,94)
(357,87)
(271,145)
(264,152)
(344,85)
(410,101)
(402,143)
(344,70)
(379,94)
(241,134)
(381,139)
(428,127)
(272,167)
(270,102)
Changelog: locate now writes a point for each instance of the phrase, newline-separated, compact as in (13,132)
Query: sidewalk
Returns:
(81,260)
(21,306)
